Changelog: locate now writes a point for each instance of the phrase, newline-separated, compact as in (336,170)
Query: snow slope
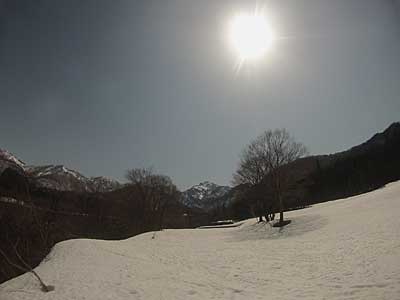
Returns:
(345,249)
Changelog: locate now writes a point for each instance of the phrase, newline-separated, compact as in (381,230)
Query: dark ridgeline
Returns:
(321,178)
(41,206)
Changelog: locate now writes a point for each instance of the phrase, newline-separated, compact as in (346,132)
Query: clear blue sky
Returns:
(102,86)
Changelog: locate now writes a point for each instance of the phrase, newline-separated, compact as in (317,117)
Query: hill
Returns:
(320,178)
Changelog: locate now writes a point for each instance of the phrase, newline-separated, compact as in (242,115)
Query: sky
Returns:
(102,86)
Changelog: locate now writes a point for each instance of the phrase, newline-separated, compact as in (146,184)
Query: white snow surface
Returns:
(344,249)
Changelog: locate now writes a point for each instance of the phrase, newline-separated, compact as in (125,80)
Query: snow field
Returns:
(344,249)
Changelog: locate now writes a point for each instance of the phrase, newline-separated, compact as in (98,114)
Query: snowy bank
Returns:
(345,249)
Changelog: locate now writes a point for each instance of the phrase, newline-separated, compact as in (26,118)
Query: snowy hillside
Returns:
(345,249)
(202,195)
(60,178)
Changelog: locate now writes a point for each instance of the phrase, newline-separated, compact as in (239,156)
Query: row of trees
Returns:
(153,193)
(262,164)
(33,219)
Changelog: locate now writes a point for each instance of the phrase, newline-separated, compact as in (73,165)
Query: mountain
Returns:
(360,169)
(8,160)
(380,140)
(56,177)
(204,194)
(357,170)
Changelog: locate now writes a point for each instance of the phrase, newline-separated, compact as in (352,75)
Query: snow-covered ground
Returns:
(346,249)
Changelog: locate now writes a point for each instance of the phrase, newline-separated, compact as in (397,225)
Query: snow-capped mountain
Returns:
(57,177)
(60,178)
(8,160)
(204,194)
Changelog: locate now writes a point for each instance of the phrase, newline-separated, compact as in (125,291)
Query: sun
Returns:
(251,36)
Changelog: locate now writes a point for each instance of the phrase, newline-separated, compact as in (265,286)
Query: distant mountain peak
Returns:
(201,195)
(10,161)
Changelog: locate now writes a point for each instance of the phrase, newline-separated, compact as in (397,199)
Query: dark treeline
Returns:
(361,169)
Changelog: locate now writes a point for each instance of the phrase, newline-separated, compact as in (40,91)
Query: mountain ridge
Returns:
(61,178)
(203,194)
(56,177)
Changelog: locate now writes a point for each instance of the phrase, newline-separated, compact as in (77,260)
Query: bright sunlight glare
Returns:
(251,36)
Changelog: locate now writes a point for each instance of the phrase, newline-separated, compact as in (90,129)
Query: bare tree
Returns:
(154,192)
(19,226)
(252,167)
(262,161)
(251,171)
(25,267)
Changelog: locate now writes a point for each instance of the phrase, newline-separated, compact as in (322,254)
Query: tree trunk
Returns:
(281,216)
(161,222)
(280,209)
(278,190)
(266,216)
